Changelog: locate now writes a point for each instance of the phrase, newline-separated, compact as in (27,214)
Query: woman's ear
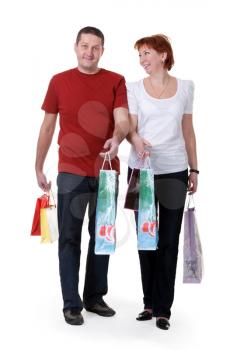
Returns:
(164,56)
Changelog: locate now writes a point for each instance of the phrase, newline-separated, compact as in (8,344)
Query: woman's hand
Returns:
(140,145)
(192,182)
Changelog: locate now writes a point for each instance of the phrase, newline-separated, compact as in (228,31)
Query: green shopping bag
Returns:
(147,235)
(105,234)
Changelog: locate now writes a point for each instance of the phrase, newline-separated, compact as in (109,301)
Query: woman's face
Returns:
(150,59)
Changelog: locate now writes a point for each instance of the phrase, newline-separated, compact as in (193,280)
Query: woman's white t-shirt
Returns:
(160,123)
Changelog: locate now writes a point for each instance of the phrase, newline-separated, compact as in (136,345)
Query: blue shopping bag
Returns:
(105,233)
(147,235)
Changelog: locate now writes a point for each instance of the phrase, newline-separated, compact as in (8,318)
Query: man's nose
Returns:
(89,51)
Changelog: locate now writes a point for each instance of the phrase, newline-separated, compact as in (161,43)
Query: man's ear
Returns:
(75,47)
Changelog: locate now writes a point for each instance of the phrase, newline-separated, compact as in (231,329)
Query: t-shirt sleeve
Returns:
(132,101)
(188,109)
(120,99)
(50,103)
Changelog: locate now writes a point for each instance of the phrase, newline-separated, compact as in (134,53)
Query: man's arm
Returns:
(43,144)
(121,129)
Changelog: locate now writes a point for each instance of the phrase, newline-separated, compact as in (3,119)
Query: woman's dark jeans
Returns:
(158,268)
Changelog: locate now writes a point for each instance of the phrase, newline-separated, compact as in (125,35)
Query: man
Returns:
(92,105)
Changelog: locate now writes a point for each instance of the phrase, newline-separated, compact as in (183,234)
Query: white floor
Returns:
(31,316)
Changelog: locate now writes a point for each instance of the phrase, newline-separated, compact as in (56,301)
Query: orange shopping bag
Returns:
(41,202)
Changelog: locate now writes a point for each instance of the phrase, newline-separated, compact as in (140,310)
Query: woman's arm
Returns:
(190,144)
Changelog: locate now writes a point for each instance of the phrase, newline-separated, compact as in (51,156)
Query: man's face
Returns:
(89,50)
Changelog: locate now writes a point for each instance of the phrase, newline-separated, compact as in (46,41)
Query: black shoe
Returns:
(144,316)
(73,316)
(101,309)
(163,323)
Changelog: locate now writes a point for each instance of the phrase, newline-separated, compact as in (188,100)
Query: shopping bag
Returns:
(49,223)
(147,230)
(192,249)
(44,226)
(132,195)
(105,234)
(41,202)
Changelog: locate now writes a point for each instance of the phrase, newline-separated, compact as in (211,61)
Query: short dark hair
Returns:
(91,30)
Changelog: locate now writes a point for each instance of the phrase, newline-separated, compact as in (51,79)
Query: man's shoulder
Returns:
(65,74)
(113,75)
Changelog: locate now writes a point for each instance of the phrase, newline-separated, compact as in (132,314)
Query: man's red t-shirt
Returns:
(85,103)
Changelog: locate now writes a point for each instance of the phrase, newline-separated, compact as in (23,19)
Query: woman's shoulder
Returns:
(186,88)
(186,83)
(134,85)
(134,88)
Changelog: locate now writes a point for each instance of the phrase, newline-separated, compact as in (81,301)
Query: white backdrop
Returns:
(37,39)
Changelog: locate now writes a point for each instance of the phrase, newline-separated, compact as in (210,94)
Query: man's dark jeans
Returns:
(75,192)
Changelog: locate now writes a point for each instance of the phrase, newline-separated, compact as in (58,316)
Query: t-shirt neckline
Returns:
(161,99)
(88,75)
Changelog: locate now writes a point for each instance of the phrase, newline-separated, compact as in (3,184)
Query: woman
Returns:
(160,108)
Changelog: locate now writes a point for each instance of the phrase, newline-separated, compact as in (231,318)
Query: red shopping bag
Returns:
(41,202)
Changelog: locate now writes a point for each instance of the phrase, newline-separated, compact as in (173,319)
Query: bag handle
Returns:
(140,161)
(146,159)
(109,160)
(54,203)
(189,200)
(50,195)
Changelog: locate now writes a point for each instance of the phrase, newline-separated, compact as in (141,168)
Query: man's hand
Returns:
(111,147)
(42,181)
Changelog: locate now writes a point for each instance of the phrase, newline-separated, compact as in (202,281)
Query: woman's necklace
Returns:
(153,89)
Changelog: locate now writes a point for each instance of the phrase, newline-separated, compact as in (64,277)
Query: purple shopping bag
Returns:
(192,249)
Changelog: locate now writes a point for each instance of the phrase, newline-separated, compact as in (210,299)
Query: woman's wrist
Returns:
(193,170)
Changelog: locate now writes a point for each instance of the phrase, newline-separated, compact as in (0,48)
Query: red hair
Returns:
(160,43)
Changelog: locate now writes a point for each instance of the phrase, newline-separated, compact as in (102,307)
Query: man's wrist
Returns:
(116,139)
(38,170)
